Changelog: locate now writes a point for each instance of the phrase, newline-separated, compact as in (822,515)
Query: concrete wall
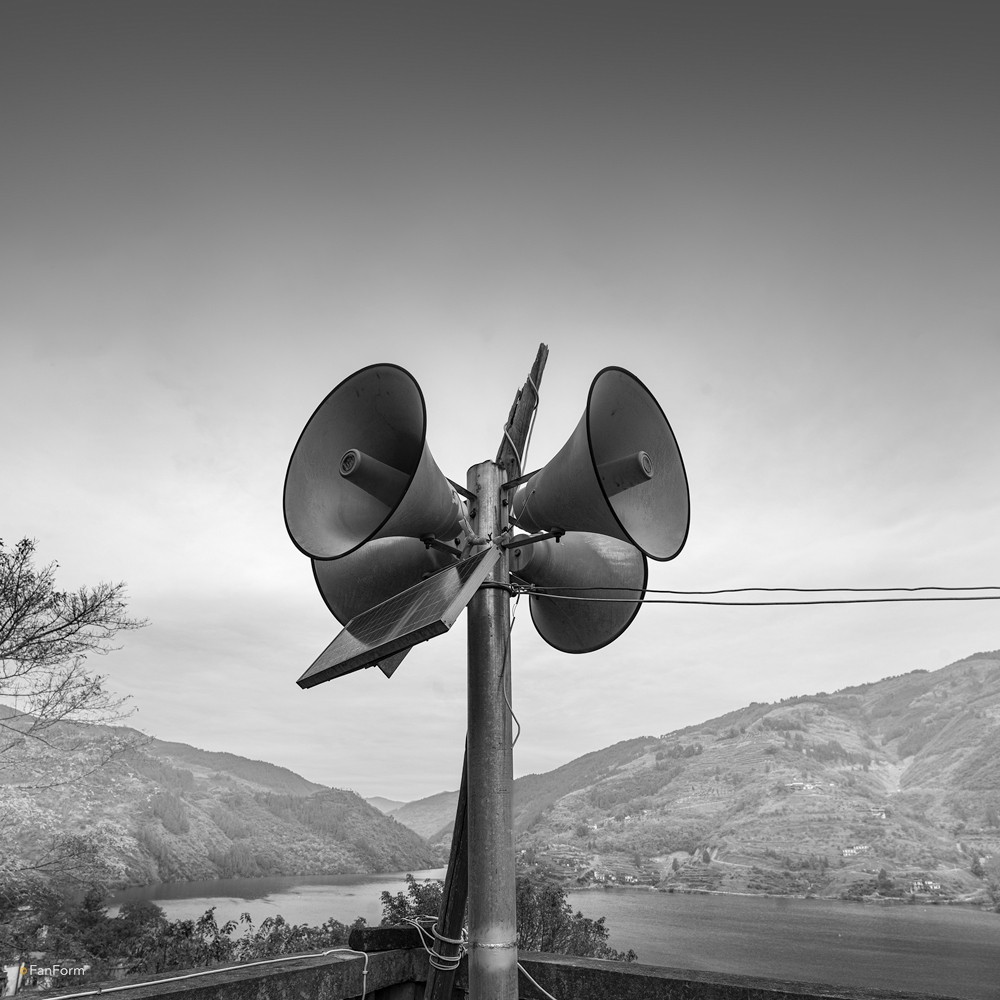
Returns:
(568,978)
(392,975)
(400,975)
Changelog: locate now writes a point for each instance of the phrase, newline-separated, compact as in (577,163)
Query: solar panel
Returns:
(389,664)
(423,611)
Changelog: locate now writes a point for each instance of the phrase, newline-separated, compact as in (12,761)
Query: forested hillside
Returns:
(171,812)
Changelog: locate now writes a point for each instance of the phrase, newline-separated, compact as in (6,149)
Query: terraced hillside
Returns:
(889,788)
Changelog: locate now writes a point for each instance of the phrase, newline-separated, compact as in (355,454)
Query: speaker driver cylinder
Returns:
(621,474)
(377,479)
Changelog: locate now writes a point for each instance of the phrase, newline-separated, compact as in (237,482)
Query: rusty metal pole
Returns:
(509,459)
(492,908)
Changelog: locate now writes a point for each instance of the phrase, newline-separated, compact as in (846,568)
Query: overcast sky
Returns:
(784,218)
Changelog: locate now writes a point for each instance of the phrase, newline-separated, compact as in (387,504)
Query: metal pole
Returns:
(492,908)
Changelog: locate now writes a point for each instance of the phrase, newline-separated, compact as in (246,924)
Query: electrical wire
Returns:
(513,448)
(506,664)
(781,590)
(540,989)
(427,928)
(559,593)
(521,456)
(446,963)
(531,424)
(524,509)
(759,604)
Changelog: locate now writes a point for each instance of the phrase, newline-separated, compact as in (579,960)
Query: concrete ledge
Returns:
(569,978)
(331,977)
(400,975)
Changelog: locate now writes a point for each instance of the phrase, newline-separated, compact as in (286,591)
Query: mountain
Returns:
(431,817)
(170,812)
(383,805)
(887,788)
(890,787)
(256,772)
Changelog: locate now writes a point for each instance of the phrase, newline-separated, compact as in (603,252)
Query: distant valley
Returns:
(384,805)
(887,789)
(432,817)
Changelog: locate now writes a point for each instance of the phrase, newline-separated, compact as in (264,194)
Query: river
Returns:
(949,950)
(300,899)
(932,949)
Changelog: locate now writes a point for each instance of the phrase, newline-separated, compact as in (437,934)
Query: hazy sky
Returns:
(784,217)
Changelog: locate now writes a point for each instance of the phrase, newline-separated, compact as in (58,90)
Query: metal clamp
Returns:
(531,539)
(512,484)
(431,542)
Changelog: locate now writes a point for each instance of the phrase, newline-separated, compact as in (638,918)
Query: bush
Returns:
(142,939)
(545,921)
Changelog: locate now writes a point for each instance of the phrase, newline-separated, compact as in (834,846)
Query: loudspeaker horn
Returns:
(361,469)
(383,568)
(620,473)
(571,568)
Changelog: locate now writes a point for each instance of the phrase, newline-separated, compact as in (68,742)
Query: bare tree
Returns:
(46,688)
(56,719)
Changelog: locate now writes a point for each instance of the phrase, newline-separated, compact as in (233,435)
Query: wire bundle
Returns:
(683,596)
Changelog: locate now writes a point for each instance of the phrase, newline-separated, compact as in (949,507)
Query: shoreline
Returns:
(864,901)
(418,874)
(421,876)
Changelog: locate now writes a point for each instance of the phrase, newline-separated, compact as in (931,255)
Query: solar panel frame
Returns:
(415,615)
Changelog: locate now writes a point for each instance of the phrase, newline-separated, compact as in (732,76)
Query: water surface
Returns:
(300,899)
(950,950)
(934,949)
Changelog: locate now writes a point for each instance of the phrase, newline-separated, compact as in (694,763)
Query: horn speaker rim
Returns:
(589,412)
(622,420)
(375,567)
(304,432)
(536,603)
(591,649)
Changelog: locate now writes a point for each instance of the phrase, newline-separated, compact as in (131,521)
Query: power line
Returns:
(772,590)
(759,604)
